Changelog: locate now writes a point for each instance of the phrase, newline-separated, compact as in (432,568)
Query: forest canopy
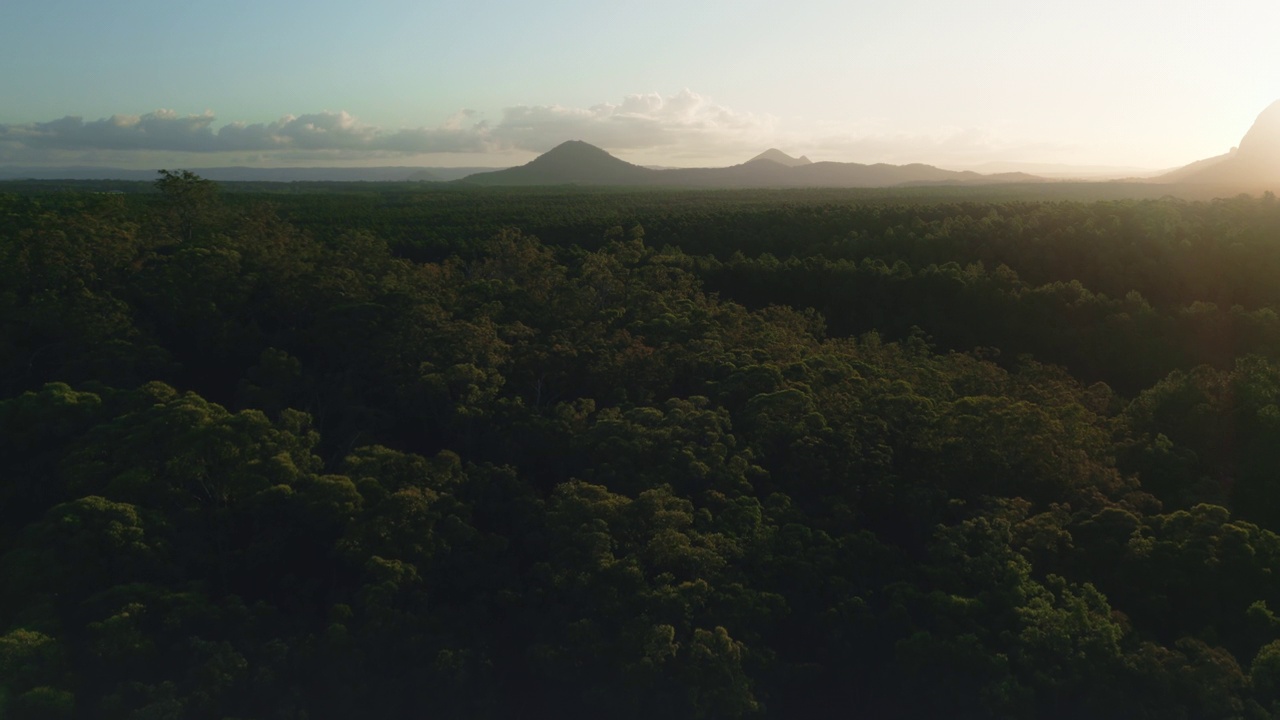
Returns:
(393,453)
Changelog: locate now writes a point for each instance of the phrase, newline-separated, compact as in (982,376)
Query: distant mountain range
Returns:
(1253,166)
(578,163)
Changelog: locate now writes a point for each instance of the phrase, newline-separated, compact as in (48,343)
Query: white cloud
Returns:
(685,121)
(165,130)
(684,128)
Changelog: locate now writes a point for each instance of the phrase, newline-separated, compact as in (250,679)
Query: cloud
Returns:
(640,122)
(165,130)
(684,122)
(162,130)
(330,131)
(684,128)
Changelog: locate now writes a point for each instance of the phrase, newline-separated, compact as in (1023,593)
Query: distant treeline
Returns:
(396,453)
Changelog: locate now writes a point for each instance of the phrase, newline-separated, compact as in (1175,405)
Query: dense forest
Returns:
(418,451)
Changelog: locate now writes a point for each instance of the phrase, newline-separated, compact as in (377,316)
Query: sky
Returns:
(151,83)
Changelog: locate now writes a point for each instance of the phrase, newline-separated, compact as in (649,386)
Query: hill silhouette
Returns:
(579,163)
(570,163)
(1254,165)
(776,155)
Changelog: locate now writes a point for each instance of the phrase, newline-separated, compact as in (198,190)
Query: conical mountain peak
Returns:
(573,162)
(776,155)
(576,149)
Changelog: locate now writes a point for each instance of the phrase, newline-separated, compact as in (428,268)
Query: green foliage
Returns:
(188,202)
(693,455)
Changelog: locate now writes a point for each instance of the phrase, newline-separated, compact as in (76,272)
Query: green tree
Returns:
(188,202)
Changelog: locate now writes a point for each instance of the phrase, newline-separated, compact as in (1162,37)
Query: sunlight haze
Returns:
(1120,85)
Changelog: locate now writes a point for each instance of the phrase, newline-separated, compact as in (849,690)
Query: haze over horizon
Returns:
(1106,85)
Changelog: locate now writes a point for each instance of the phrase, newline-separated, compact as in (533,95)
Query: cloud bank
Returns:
(165,130)
(639,122)
(684,128)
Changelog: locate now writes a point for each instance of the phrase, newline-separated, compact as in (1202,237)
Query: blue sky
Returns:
(489,82)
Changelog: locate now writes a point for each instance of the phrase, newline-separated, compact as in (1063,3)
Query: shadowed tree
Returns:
(189,202)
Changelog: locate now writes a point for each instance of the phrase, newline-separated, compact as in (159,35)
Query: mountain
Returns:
(1194,169)
(578,163)
(1254,165)
(570,163)
(776,155)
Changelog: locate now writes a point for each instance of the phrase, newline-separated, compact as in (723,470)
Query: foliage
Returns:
(703,455)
